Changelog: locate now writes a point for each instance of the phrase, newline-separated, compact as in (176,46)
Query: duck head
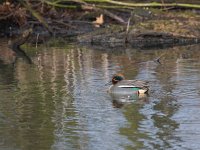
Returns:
(116,78)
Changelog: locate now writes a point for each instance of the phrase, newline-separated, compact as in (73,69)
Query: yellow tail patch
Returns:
(142,91)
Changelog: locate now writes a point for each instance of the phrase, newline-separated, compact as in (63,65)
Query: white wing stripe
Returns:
(127,86)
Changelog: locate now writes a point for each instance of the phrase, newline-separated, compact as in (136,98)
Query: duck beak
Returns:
(109,83)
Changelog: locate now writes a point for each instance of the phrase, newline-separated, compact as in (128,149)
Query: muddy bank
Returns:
(120,38)
(149,28)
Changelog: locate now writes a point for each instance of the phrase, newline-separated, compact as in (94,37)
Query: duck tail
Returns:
(143,91)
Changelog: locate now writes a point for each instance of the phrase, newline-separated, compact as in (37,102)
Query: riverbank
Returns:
(117,26)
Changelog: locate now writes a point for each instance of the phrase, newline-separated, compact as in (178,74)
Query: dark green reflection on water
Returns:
(27,123)
(132,132)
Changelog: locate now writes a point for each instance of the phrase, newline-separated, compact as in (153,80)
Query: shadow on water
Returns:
(60,102)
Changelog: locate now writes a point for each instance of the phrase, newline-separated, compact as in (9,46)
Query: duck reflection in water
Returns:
(123,90)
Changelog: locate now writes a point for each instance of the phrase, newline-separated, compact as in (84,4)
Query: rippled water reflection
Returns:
(60,101)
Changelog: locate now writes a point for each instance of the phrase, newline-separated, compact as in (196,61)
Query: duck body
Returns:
(127,87)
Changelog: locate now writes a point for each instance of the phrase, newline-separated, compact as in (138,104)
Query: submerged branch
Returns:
(21,40)
(15,45)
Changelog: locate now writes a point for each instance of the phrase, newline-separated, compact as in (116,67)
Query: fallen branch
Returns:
(15,45)
(65,24)
(111,15)
(21,40)
(86,6)
(153,4)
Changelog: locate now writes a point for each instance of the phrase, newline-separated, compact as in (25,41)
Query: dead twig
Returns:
(111,15)
(157,60)
(7,16)
(37,37)
(65,24)
(127,28)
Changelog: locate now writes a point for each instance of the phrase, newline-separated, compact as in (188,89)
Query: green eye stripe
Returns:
(119,78)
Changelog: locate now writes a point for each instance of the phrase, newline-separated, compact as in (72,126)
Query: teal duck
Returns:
(122,86)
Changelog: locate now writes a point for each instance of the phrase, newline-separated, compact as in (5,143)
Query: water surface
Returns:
(60,101)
